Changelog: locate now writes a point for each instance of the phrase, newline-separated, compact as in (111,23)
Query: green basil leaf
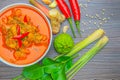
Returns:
(31,67)
(60,74)
(50,65)
(47,61)
(53,67)
(46,77)
(33,72)
(66,60)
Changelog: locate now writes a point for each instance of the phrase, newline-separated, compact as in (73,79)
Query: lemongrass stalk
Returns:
(91,38)
(87,57)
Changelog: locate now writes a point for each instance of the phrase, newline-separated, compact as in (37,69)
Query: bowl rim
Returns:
(47,20)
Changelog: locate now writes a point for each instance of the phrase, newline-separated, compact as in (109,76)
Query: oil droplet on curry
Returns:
(24,35)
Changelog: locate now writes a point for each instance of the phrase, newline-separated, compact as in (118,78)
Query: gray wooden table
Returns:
(106,64)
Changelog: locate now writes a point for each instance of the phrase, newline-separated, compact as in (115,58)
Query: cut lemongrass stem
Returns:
(71,75)
(80,45)
(87,57)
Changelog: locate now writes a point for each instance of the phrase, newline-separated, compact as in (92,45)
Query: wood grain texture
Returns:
(106,64)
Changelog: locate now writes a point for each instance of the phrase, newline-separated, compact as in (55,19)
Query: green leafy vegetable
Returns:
(48,61)
(59,75)
(45,77)
(33,72)
(57,70)
(52,67)
(66,60)
(31,67)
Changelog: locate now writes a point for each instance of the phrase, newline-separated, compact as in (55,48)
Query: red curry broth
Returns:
(35,51)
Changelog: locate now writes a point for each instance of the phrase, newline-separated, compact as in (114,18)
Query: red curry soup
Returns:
(24,35)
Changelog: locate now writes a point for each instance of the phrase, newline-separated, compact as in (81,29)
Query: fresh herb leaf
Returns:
(48,61)
(46,77)
(60,74)
(32,67)
(66,60)
(52,67)
(33,72)
(56,69)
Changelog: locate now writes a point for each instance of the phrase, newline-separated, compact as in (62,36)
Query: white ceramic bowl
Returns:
(30,6)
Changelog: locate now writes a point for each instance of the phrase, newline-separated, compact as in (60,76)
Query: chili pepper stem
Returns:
(78,27)
(70,22)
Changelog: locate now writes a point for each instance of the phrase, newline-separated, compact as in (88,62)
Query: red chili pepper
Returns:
(25,18)
(20,36)
(65,10)
(18,30)
(76,13)
(19,42)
